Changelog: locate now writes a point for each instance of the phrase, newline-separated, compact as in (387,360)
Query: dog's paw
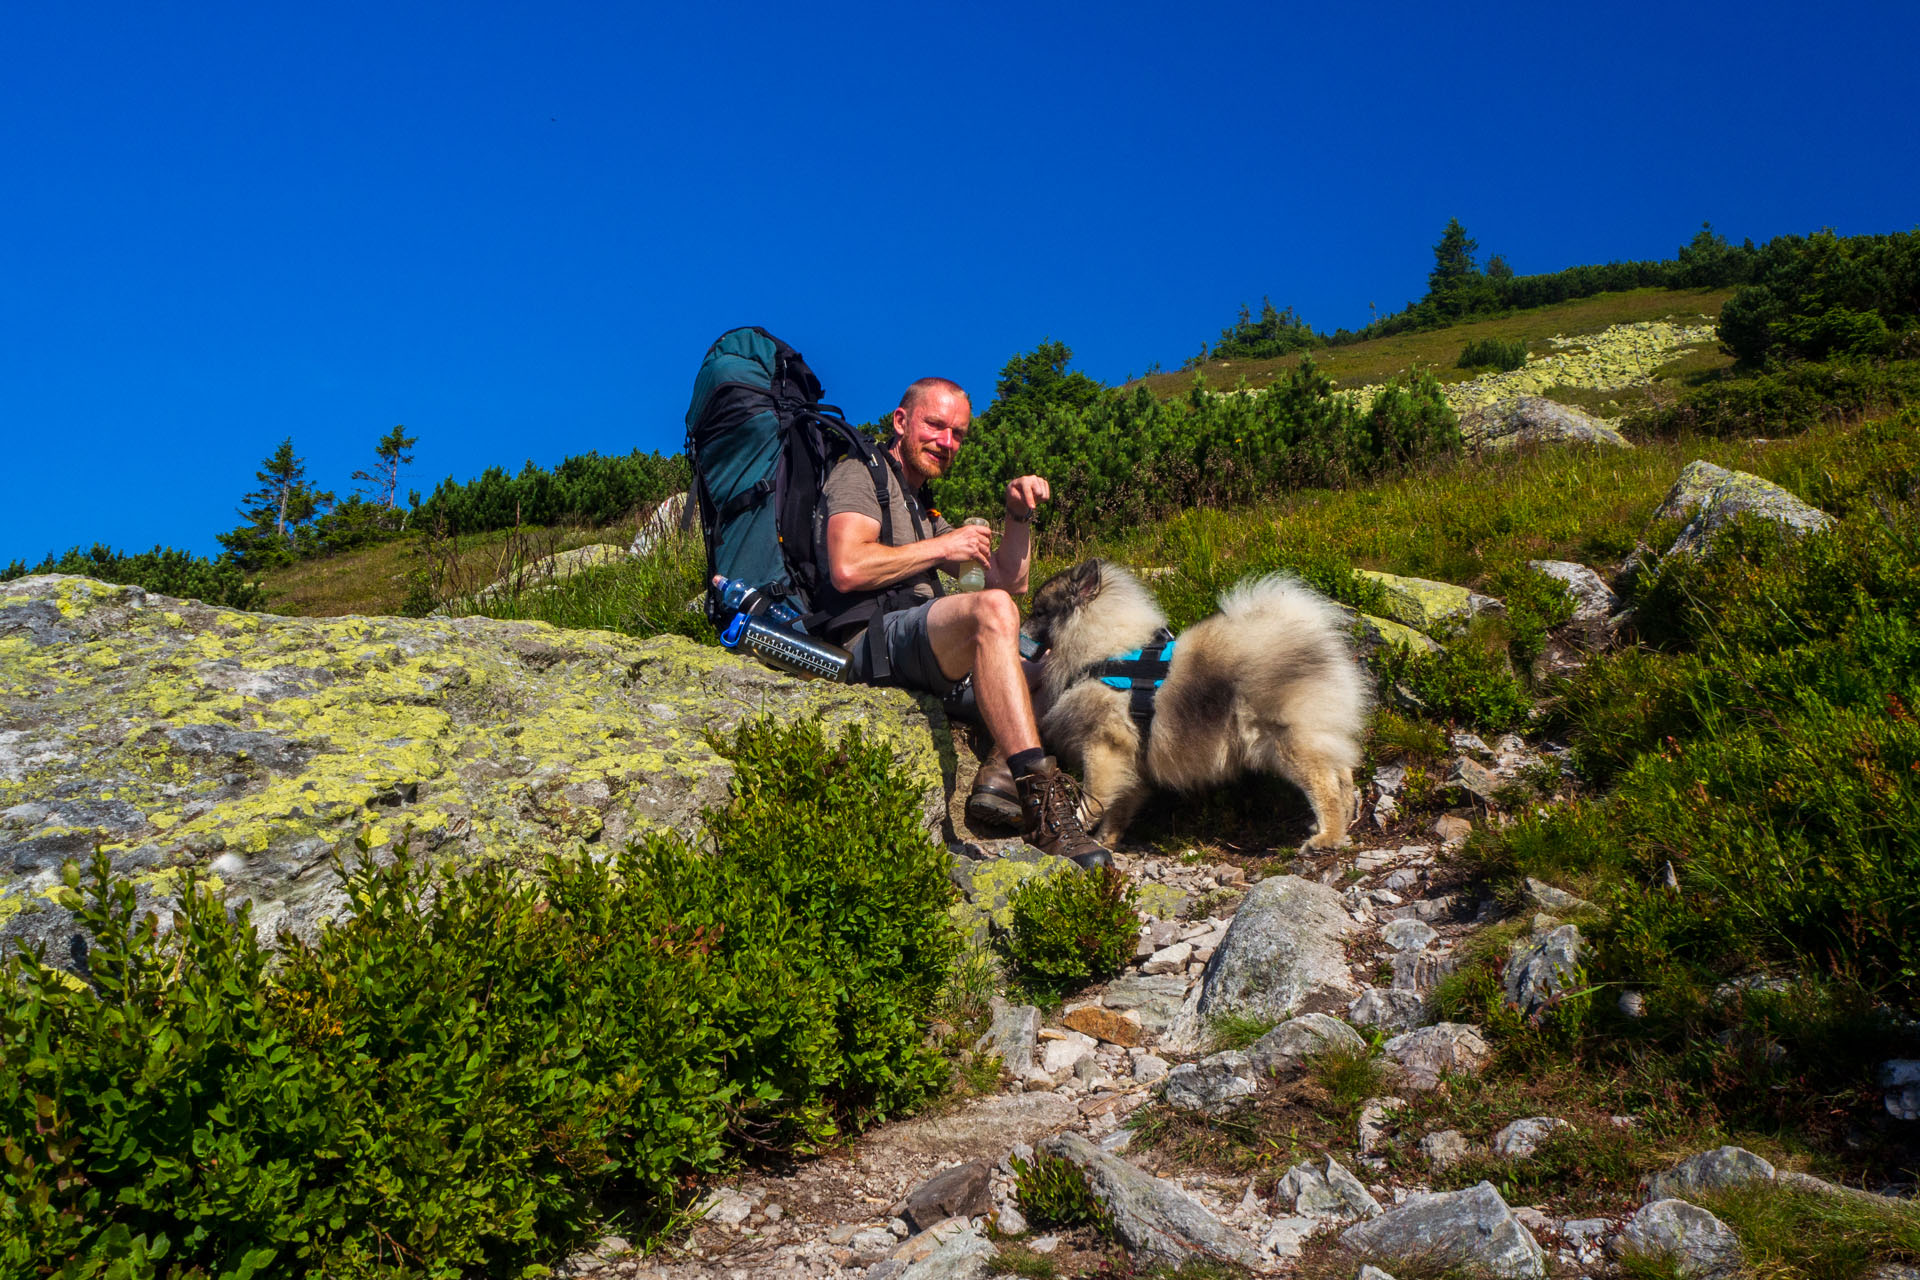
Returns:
(1326,842)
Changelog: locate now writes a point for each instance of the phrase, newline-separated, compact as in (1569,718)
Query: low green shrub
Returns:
(1073,925)
(1114,457)
(583,489)
(1469,682)
(1052,1192)
(1493,353)
(166,570)
(1781,402)
(447,1082)
(1536,604)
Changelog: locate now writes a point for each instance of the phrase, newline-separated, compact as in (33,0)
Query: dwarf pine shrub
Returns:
(446,1082)
(1493,353)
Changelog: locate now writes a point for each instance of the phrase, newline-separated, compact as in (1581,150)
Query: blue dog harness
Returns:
(1138,673)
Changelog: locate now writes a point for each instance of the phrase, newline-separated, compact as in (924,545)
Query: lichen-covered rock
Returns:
(1709,1171)
(1471,1229)
(1534,420)
(1542,968)
(1714,496)
(1288,1046)
(987,886)
(1424,604)
(1371,635)
(1697,1243)
(1284,949)
(173,734)
(1153,1218)
(1012,1034)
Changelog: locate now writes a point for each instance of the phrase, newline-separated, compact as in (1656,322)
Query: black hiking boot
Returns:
(1050,808)
(995,801)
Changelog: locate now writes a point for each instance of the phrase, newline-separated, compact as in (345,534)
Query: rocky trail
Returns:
(1349,951)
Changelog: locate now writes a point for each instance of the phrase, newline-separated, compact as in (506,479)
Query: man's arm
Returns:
(1008,568)
(858,561)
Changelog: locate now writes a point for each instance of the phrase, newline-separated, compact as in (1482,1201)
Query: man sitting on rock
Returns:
(901,631)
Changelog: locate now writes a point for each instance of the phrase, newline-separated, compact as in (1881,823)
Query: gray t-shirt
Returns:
(849,490)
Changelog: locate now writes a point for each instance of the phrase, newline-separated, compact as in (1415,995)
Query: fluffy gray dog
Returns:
(1267,685)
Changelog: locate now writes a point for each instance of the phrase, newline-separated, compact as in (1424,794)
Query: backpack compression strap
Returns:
(1138,673)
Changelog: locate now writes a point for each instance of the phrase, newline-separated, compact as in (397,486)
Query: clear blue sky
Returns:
(515,228)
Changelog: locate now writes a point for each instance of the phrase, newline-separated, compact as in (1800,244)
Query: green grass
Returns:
(1364,363)
(1238,1030)
(646,595)
(1786,1232)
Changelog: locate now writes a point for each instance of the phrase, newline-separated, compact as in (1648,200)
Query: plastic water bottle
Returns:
(737,597)
(975,577)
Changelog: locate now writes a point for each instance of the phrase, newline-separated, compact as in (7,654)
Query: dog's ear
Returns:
(1086,582)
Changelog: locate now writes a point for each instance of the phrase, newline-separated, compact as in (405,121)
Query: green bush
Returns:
(1767,750)
(1114,457)
(1782,402)
(447,1082)
(1493,353)
(1073,926)
(165,570)
(1536,604)
(1052,1192)
(584,489)
(1469,682)
(1821,296)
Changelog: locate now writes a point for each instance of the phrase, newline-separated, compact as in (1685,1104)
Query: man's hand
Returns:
(968,542)
(1024,495)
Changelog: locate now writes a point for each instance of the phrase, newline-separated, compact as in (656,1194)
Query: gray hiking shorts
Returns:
(908,651)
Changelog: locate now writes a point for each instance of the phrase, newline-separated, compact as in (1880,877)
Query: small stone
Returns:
(1474,777)
(1408,935)
(1011,1035)
(1389,1009)
(1148,1068)
(1329,1194)
(1548,898)
(1714,1170)
(1105,1024)
(1522,1138)
(1453,831)
(1044,1244)
(959,1192)
(1060,1055)
(1171,959)
(1370,1272)
(1010,1220)
(1542,968)
(1288,1046)
(1432,1052)
(725,1207)
(1374,1123)
(1211,1085)
(1445,1149)
(1698,1244)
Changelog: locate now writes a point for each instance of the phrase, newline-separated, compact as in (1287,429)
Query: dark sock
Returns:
(1028,761)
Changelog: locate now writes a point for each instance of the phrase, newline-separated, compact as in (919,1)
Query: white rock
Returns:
(1522,1138)
(1171,959)
(1061,1055)
(1408,935)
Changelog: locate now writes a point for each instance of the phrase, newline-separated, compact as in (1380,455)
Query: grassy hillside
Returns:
(1366,363)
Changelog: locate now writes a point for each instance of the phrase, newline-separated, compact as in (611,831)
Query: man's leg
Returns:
(980,632)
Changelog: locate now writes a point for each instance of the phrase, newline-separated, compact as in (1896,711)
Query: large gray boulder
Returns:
(1535,420)
(1696,1242)
(1284,951)
(1711,497)
(173,734)
(1152,1217)
(1542,968)
(1473,1230)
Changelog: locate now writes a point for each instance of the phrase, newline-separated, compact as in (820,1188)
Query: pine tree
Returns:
(394,451)
(275,511)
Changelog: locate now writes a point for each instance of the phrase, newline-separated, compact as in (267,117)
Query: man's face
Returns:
(930,433)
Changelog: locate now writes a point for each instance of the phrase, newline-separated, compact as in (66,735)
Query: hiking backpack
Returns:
(761,444)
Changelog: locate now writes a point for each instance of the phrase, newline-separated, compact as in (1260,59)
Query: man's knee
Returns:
(996,615)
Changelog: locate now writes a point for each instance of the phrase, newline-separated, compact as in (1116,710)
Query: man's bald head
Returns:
(923,386)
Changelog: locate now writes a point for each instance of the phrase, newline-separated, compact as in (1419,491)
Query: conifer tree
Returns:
(394,451)
(275,511)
